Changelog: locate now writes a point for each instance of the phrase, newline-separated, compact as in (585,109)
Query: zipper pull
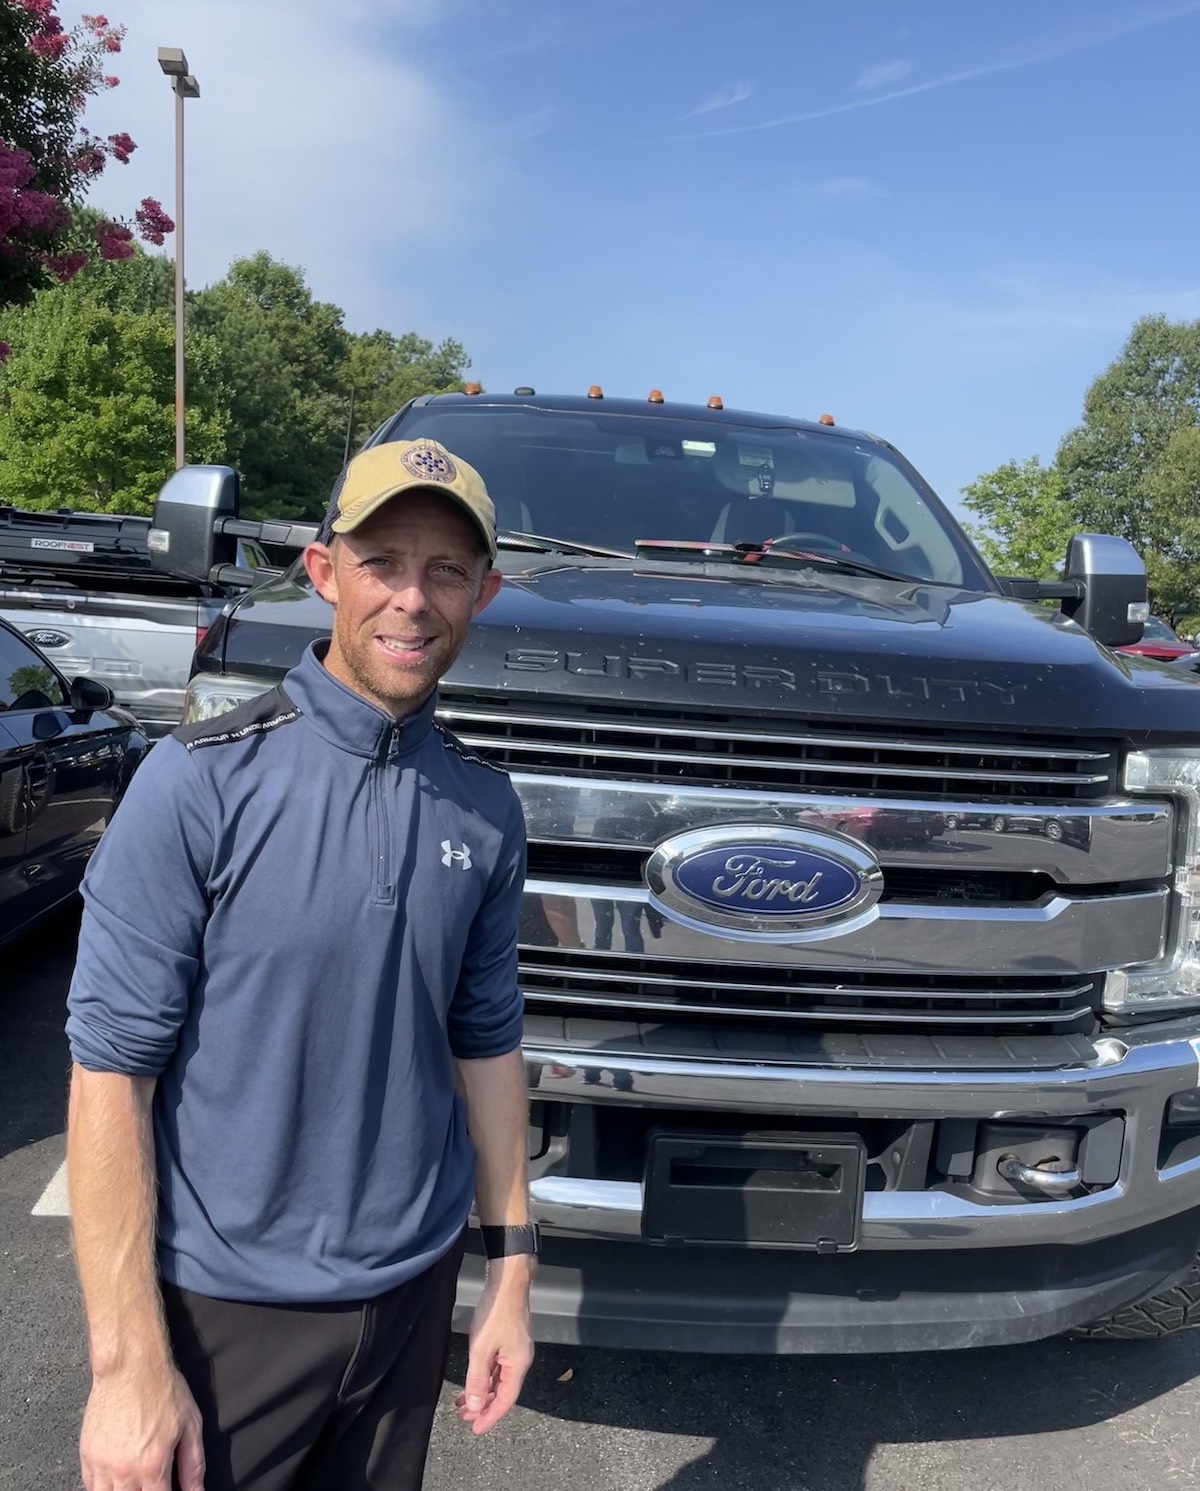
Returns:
(394,743)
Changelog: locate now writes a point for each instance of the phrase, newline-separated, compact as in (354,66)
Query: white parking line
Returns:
(54,1201)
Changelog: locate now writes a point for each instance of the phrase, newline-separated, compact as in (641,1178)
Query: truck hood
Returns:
(769,641)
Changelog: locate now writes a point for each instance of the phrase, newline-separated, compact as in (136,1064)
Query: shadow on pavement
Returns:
(815,1421)
(34,974)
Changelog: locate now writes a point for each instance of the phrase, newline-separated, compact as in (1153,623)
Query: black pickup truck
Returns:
(860,936)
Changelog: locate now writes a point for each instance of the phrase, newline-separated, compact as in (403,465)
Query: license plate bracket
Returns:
(772,1190)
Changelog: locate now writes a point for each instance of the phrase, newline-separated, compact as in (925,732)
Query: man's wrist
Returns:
(512,1273)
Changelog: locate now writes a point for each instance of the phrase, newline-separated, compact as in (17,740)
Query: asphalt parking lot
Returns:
(1056,1415)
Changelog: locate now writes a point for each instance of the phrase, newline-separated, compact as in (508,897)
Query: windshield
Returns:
(614,479)
(1158,631)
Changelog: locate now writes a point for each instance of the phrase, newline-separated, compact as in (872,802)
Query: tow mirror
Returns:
(1112,604)
(186,539)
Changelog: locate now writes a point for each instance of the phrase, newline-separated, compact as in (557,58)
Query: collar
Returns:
(347,720)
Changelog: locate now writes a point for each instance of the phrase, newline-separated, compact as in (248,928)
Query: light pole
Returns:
(174,64)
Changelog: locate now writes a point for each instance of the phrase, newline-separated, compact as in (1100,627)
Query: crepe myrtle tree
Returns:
(48,159)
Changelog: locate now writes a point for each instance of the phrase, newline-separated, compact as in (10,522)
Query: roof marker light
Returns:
(523,392)
(716,402)
(827,419)
(471,389)
(656,396)
(595,392)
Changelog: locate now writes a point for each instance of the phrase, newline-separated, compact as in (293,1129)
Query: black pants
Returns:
(317,1398)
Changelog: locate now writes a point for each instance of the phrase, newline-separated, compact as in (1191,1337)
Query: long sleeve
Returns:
(145,909)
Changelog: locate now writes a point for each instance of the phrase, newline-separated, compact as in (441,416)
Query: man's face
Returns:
(404,587)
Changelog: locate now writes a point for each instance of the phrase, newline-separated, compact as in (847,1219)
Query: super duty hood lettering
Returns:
(620,666)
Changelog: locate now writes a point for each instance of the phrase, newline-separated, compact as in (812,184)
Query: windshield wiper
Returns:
(748,553)
(541,543)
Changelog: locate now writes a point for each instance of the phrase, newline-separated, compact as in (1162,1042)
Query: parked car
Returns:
(67,753)
(1159,641)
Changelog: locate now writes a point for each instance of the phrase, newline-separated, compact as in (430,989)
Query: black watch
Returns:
(504,1242)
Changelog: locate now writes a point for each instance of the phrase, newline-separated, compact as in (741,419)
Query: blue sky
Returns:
(936,219)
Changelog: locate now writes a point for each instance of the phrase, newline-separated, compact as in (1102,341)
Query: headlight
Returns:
(1176,980)
(209,695)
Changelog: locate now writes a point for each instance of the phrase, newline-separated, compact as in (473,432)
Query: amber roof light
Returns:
(827,419)
(472,388)
(595,392)
(656,396)
(716,402)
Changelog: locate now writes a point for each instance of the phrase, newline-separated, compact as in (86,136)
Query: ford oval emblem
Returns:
(44,637)
(768,884)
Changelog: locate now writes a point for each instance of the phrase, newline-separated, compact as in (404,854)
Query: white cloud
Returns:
(884,75)
(723,98)
(1097,35)
(316,137)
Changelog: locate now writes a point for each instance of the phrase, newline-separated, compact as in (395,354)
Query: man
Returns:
(299,940)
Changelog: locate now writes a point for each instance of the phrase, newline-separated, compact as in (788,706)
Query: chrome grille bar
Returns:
(451,713)
(623,755)
(1081,989)
(832,1015)
(735,751)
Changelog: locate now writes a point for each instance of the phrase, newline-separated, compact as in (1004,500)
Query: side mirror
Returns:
(1112,601)
(90,693)
(184,541)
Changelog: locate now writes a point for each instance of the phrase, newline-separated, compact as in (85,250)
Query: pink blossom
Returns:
(122,147)
(111,82)
(153,223)
(90,160)
(115,241)
(50,47)
(39,9)
(112,42)
(64,267)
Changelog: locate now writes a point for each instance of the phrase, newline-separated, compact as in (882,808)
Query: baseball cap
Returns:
(385,471)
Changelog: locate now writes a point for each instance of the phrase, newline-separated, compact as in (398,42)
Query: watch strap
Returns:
(505,1242)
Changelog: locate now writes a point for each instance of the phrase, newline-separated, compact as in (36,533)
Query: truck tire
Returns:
(1165,1314)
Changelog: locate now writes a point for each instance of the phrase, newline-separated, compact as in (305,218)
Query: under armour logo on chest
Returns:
(452,856)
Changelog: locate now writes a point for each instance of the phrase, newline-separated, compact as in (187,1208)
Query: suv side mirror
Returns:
(1112,604)
(90,693)
(184,541)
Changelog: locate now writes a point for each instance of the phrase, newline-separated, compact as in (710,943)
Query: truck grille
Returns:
(607,985)
(728,750)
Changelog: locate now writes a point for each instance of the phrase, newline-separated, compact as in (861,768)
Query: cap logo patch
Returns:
(428,464)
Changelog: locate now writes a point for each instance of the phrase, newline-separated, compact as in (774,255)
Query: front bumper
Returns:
(935,1267)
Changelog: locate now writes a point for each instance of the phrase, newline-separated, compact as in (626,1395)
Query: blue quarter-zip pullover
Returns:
(302,912)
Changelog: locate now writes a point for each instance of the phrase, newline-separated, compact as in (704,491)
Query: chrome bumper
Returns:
(1134,1076)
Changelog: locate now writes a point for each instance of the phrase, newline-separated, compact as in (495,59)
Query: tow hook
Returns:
(1042,1177)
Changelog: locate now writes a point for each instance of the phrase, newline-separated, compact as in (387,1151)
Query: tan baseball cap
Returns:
(385,471)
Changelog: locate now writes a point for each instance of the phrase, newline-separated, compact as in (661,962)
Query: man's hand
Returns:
(138,1426)
(501,1345)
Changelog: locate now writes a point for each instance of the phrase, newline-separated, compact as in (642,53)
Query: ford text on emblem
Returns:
(44,637)
(767,884)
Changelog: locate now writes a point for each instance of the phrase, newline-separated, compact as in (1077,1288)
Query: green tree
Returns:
(87,399)
(283,357)
(385,371)
(1133,466)
(1025,521)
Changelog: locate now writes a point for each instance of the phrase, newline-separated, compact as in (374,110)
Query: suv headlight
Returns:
(1175,980)
(209,695)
